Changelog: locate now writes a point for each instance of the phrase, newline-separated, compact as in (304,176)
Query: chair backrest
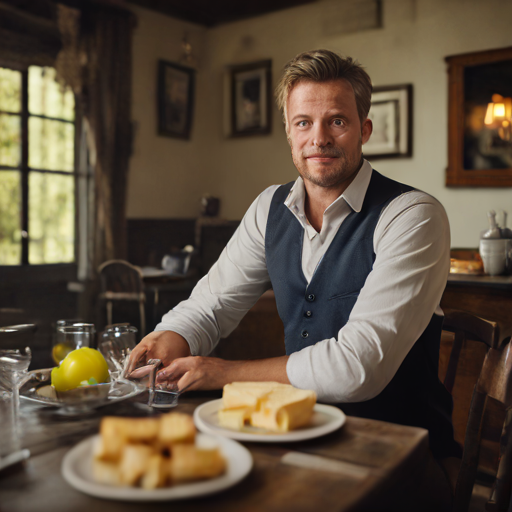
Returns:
(467,326)
(119,276)
(494,381)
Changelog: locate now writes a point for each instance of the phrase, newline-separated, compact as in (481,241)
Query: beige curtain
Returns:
(106,99)
(96,62)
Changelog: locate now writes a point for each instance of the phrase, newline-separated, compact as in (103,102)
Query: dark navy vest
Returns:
(317,311)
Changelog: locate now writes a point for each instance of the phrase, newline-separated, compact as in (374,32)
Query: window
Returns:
(37,168)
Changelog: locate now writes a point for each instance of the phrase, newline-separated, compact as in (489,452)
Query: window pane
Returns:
(51,218)
(45,97)
(10,90)
(51,144)
(10,144)
(10,218)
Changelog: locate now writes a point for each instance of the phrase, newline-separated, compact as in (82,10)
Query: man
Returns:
(358,264)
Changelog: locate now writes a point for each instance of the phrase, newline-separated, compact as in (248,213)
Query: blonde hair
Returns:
(322,66)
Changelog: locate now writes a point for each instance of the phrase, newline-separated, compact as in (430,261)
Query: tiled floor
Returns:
(479,498)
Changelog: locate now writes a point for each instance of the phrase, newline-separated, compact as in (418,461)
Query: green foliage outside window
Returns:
(10,218)
(51,201)
(51,218)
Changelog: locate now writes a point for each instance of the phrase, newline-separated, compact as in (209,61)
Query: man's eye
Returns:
(338,122)
(302,123)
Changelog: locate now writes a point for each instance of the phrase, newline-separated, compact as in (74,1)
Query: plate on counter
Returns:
(326,419)
(77,471)
(37,388)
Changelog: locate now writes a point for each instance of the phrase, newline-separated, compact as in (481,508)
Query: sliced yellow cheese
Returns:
(268,405)
(285,409)
(246,394)
(235,419)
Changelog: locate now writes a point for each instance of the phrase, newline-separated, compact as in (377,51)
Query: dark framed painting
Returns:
(391,115)
(251,99)
(176,85)
(480,119)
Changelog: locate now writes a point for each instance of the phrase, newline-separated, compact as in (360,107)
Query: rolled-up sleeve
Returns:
(232,286)
(403,290)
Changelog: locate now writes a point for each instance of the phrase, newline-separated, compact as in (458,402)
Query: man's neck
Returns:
(318,199)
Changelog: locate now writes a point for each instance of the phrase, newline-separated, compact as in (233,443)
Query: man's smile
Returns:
(321,158)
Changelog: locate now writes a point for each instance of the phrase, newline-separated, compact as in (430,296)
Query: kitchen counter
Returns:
(482,281)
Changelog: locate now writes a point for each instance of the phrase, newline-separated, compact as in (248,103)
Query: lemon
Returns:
(60,351)
(83,364)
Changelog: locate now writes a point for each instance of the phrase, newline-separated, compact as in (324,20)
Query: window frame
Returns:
(69,268)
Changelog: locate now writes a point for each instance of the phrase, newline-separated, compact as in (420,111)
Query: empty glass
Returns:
(71,337)
(13,370)
(115,344)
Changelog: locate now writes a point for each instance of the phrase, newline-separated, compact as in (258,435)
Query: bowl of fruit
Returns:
(82,381)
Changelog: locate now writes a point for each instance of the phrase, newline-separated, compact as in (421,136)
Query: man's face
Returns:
(325,133)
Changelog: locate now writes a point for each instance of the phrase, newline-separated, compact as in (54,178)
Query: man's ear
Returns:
(366,130)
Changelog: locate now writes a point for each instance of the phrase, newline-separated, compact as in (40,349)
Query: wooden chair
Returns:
(494,381)
(122,281)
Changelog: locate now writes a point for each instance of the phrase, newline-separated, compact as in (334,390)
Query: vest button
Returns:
(308,313)
(310,297)
(304,334)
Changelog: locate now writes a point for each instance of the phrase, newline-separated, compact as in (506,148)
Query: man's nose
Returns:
(321,136)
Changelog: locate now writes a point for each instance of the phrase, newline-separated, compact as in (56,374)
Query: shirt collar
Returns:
(353,195)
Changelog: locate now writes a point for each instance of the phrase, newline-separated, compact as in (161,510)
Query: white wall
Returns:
(168,176)
(165,173)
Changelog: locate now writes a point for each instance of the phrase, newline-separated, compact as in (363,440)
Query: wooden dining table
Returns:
(364,464)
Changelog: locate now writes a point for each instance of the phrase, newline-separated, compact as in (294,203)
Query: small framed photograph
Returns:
(251,99)
(391,115)
(176,85)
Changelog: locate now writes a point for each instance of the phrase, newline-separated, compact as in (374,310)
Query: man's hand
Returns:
(198,373)
(213,373)
(163,345)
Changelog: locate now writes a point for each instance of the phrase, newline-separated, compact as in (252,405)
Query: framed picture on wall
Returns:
(480,119)
(391,115)
(251,99)
(176,84)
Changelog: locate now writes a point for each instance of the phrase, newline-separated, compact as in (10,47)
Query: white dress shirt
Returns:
(412,245)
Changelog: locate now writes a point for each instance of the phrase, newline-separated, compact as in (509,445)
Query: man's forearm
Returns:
(214,373)
(272,369)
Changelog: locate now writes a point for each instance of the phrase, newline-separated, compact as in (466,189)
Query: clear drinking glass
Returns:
(13,369)
(115,344)
(71,337)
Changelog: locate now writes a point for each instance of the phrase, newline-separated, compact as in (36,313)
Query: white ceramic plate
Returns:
(326,419)
(77,471)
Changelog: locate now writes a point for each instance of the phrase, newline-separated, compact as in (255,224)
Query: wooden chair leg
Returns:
(453,362)
(468,467)
(142,319)
(109,312)
(501,493)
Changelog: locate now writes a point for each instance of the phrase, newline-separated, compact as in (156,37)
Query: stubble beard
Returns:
(332,175)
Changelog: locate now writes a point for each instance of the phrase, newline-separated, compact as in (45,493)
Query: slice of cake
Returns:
(269,405)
